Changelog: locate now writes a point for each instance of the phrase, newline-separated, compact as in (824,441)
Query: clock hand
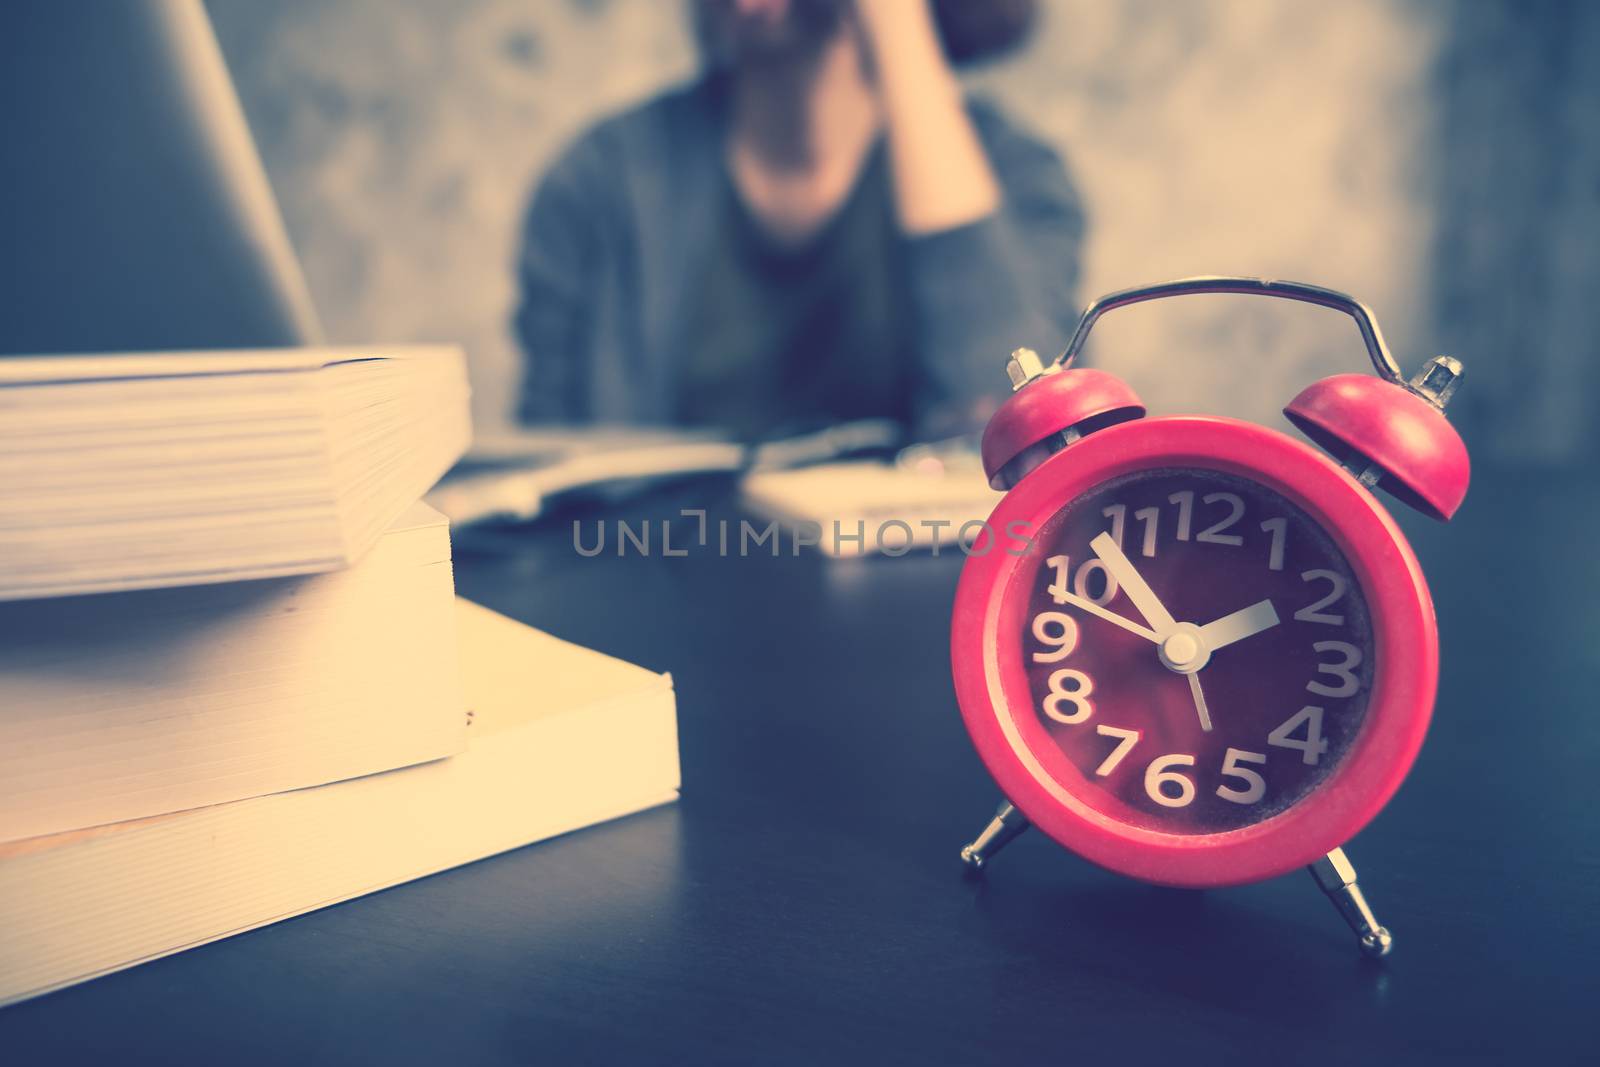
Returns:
(1149,605)
(1199,701)
(1239,625)
(1112,617)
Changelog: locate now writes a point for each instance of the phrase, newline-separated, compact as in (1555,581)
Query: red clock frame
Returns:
(986,648)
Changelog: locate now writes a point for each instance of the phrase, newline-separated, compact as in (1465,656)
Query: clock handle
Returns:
(1389,431)
(1382,362)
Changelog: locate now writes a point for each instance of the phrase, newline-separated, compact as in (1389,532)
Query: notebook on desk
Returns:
(866,507)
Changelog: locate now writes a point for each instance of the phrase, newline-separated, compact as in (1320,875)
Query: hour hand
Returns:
(1246,622)
(1144,598)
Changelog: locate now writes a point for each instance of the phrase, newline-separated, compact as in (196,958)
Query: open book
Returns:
(867,507)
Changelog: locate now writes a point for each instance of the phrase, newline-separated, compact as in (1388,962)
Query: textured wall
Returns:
(1240,137)
(1517,195)
(1288,139)
(402,137)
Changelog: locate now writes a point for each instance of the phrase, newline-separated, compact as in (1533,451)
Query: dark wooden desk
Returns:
(803,903)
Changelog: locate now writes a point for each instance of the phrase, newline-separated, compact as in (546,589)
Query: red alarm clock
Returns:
(1203,653)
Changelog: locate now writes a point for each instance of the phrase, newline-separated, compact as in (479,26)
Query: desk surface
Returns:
(803,902)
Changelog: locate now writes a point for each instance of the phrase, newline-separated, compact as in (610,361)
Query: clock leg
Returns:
(1336,876)
(1007,823)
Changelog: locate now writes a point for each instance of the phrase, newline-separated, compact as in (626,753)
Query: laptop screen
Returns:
(135,211)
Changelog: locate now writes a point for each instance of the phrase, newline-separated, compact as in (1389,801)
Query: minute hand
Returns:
(1149,605)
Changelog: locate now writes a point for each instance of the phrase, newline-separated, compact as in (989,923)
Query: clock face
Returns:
(1198,651)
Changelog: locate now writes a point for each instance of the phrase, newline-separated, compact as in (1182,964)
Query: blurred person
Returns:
(820,228)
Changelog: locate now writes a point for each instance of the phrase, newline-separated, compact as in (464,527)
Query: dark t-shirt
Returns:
(788,338)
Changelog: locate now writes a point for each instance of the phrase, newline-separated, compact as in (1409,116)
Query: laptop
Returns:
(135,214)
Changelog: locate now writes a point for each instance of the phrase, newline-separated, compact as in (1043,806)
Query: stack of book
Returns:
(235,681)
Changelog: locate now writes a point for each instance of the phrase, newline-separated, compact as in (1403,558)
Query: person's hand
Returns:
(942,178)
(887,25)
